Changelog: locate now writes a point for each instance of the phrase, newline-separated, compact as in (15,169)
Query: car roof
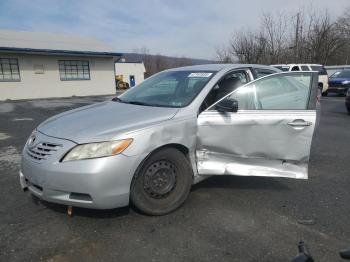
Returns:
(297,65)
(219,67)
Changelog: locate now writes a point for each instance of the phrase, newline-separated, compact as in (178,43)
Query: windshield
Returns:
(168,89)
(342,74)
(320,69)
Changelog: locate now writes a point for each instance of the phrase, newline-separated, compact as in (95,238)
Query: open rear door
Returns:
(270,134)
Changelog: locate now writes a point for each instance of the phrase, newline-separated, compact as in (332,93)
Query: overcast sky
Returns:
(192,28)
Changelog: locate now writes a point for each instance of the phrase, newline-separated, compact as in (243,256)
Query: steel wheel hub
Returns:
(160,179)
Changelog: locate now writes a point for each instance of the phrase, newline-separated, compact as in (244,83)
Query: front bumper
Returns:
(338,89)
(325,87)
(347,103)
(100,183)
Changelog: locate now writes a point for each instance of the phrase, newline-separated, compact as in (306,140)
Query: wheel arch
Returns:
(180,147)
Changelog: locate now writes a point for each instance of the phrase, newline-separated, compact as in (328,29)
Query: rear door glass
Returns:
(283,68)
(295,68)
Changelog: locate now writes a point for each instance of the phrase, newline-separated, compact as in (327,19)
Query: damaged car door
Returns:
(263,128)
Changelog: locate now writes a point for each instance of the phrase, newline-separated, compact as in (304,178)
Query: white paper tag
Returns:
(199,74)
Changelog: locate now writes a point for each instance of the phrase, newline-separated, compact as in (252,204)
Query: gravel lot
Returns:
(225,218)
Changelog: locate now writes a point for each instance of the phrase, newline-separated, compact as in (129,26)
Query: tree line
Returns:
(158,62)
(304,37)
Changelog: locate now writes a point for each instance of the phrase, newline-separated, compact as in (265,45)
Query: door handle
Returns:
(299,123)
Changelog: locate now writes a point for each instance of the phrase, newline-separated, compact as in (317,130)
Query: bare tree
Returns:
(274,29)
(244,47)
(313,38)
(158,62)
(323,39)
(343,25)
(223,55)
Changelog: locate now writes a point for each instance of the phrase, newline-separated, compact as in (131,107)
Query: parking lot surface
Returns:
(225,218)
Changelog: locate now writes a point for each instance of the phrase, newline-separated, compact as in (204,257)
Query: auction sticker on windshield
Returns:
(200,74)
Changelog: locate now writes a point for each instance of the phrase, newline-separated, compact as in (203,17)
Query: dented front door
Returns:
(269,135)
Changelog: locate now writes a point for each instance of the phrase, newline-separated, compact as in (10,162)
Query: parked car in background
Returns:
(347,101)
(339,82)
(178,127)
(322,73)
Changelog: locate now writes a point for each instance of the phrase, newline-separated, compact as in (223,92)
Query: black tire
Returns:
(325,93)
(162,183)
(120,85)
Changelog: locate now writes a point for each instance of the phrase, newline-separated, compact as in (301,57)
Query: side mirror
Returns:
(227,105)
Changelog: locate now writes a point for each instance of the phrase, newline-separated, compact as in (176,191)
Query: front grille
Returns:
(42,150)
(337,85)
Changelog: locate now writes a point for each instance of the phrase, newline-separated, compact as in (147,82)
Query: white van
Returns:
(322,73)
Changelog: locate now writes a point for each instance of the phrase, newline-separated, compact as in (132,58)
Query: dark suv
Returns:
(347,101)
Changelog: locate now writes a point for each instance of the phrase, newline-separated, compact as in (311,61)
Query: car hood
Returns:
(103,121)
(338,80)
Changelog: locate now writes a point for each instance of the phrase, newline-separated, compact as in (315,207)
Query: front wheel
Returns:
(325,93)
(163,182)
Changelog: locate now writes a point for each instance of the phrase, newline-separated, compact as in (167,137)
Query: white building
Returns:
(131,72)
(40,65)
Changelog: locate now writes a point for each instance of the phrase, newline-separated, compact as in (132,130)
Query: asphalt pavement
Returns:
(225,218)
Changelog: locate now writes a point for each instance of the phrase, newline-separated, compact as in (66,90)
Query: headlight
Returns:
(31,139)
(345,82)
(94,150)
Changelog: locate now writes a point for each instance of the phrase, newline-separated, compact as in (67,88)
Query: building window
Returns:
(74,70)
(9,70)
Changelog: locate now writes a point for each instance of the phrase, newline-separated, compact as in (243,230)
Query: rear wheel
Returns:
(325,93)
(163,182)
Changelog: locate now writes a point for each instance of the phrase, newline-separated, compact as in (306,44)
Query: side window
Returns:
(9,70)
(295,68)
(320,69)
(195,85)
(263,72)
(277,92)
(305,68)
(229,83)
(74,70)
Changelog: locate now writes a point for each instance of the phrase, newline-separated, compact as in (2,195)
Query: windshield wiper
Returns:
(117,99)
(138,103)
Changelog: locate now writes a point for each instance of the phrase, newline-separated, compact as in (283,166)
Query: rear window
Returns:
(263,72)
(283,68)
(320,69)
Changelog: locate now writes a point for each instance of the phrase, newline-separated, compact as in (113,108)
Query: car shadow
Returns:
(239,182)
(223,181)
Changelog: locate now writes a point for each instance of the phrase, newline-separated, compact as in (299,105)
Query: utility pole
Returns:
(297,39)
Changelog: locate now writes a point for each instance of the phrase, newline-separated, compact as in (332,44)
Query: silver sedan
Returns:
(178,127)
